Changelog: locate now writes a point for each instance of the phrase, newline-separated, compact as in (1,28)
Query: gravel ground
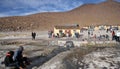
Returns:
(45,56)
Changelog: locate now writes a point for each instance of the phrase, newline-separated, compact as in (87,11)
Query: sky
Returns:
(27,7)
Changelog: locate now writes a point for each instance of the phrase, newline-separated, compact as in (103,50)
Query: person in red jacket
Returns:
(113,35)
(9,62)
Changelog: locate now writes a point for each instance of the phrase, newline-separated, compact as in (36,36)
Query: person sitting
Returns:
(9,62)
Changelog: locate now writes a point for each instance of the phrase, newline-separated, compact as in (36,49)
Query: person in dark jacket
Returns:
(18,57)
(8,59)
(33,35)
(9,62)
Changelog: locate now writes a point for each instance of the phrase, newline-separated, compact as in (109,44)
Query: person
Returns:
(88,32)
(33,35)
(113,35)
(107,36)
(107,30)
(49,34)
(58,35)
(9,62)
(77,35)
(18,57)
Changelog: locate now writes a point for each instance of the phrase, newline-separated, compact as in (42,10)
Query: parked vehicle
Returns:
(117,36)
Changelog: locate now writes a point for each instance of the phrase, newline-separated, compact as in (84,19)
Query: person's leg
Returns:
(22,65)
(26,60)
(34,37)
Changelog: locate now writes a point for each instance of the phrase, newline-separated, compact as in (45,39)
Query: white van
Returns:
(118,33)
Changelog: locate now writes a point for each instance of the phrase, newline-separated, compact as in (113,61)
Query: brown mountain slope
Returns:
(90,14)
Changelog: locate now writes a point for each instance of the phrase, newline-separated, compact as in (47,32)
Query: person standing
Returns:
(113,35)
(33,35)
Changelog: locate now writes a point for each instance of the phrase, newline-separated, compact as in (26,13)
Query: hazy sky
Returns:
(26,7)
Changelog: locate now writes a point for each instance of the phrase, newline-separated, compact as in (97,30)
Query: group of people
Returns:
(15,59)
(33,35)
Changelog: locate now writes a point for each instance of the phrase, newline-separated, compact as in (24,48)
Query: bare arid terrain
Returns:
(106,13)
(51,53)
(44,54)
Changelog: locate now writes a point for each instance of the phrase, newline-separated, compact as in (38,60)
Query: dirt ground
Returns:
(43,55)
(39,50)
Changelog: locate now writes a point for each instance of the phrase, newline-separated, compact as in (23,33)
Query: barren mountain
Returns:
(106,13)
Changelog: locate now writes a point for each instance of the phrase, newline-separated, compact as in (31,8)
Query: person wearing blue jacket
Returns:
(18,57)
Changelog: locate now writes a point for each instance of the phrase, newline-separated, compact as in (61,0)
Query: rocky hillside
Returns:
(88,14)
